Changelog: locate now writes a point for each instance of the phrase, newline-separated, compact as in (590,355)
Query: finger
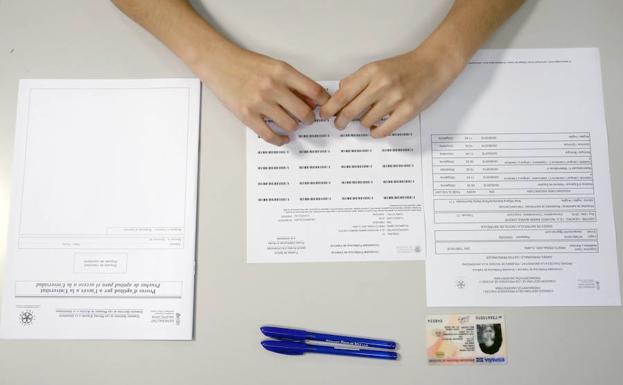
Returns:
(399,117)
(356,107)
(349,89)
(307,87)
(295,106)
(307,100)
(280,117)
(376,113)
(259,126)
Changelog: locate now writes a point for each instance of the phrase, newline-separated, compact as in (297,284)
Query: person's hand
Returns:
(400,87)
(255,87)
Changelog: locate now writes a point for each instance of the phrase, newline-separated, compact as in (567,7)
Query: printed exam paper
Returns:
(101,238)
(332,195)
(517,184)
(514,183)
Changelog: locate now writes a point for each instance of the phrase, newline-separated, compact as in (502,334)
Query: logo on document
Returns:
(460,284)
(26,318)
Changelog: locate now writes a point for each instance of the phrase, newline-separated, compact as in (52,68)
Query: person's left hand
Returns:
(400,87)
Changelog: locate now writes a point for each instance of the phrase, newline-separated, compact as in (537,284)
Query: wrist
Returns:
(209,56)
(448,59)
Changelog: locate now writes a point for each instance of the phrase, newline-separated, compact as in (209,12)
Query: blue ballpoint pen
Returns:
(286,334)
(299,348)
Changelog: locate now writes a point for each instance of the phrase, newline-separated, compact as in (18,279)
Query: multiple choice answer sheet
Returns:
(101,240)
(517,184)
(332,195)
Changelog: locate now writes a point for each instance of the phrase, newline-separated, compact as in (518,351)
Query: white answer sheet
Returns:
(101,241)
(517,184)
(332,195)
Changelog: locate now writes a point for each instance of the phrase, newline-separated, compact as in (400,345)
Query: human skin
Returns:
(402,86)
(256,87)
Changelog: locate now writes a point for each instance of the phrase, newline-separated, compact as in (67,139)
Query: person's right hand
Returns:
(255,87)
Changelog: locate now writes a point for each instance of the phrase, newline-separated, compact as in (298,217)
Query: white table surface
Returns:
(326,40)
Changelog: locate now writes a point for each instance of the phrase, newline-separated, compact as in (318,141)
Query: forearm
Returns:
(402,86)
(468,24)
(253,86)
(178,26)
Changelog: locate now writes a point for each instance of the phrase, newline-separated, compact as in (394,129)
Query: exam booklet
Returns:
(101,241)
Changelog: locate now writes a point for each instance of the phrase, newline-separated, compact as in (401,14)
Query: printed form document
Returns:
(510,167)
(519,206)
(101,238)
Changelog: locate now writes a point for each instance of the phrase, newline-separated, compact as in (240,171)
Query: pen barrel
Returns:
(353,341)
(368,353)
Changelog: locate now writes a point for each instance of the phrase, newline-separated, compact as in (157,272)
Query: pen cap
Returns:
(284,347)
(284,333)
